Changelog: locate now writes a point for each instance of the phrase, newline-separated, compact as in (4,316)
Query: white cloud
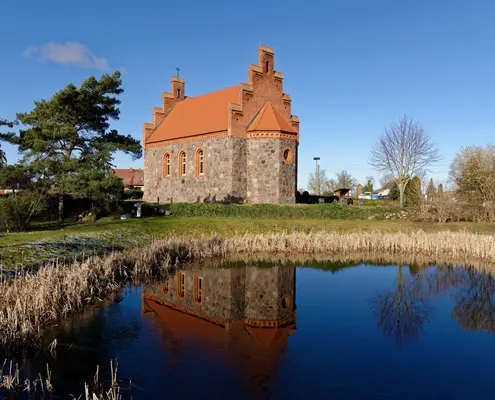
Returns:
(70,53)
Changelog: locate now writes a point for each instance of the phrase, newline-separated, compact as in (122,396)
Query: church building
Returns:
(237,144)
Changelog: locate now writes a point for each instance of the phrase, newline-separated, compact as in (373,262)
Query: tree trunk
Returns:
(402,189)
(60,209)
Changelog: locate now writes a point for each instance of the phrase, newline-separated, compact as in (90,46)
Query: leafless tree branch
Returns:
(404,150)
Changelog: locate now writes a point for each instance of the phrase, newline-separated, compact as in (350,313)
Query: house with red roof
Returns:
(235,143)
(132,178)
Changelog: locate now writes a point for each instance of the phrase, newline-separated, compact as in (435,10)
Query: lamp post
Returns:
(317,175)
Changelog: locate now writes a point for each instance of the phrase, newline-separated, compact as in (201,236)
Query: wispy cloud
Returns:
(70,53)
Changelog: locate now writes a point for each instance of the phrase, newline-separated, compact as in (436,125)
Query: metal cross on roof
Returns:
(178,69)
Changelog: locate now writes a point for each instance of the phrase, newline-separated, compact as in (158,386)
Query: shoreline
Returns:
(32,301)
(29,250)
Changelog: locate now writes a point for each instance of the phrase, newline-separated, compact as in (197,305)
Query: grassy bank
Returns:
(32,301)
(23,249)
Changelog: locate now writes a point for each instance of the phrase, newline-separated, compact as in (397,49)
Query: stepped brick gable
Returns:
(235,144)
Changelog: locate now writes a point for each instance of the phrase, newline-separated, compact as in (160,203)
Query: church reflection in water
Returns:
(244,313)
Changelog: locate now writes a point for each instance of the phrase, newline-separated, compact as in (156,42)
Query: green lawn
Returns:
(196,226)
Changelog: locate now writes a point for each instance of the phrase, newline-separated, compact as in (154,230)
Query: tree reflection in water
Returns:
(400,314)
(403,312)
(475,303)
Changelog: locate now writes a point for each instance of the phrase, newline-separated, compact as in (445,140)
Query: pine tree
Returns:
(69,135)
(413,192)
(3,156)
(394,192)
(430,190)
(440,190)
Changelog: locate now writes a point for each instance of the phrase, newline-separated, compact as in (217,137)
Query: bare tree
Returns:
(401,313)
(385,179)
(345,180)
(327,185)
(404,150)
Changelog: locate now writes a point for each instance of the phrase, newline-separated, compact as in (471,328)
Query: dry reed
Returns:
(32,301)
(12,385)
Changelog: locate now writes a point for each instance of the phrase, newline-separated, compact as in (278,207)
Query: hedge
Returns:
(314,211)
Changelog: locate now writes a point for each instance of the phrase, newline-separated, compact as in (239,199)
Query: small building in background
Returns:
(132,178)
(343,193)
(14,185)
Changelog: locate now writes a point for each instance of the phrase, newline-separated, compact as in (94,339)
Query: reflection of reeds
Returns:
(29,302)
(349,259)
(10,382)
(12,385)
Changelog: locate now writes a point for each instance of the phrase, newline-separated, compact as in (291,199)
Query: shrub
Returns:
(18,210)
(316,211)
(379,203)
(413,193)
(134,194)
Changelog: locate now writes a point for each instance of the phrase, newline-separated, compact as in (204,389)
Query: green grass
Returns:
(146,228)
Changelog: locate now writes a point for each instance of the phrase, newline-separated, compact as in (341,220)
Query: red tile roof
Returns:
(130,176)
(270,119)
(197,115)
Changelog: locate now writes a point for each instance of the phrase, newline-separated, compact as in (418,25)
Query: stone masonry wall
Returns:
(217,291)
(288,173)
(270,179)
(239,167)
(265,289)
(216,184)
(232,294)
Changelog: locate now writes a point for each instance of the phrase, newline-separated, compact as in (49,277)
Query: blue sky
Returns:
(351,67)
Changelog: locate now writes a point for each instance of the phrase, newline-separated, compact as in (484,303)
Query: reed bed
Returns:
(32,301)
(13,386)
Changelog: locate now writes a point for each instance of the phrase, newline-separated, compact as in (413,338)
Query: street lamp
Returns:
(317,175)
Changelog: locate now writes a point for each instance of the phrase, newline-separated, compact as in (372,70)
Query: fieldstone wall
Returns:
(233,294)
(288,172)
(265,291)
(251,170)
(239,168)
(214,185)
(217,304)
(270,178)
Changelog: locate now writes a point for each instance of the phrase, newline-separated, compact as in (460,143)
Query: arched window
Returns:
(182,163)
(267,66)
(198,289)
(167,169)
(166,287)
(181,284)
(178,93)
(200,162)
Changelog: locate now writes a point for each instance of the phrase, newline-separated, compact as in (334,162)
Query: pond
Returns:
(261,331)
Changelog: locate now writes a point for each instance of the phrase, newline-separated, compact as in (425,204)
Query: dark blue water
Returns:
(355,332)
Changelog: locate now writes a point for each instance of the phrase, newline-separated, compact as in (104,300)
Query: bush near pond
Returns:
(314,211)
